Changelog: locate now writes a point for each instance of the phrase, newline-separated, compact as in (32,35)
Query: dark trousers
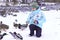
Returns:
(33,27)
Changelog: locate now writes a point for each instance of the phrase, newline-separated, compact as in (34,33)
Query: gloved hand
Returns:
(27,22)
(35,22)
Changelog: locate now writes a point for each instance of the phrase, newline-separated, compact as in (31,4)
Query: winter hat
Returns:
(35,5)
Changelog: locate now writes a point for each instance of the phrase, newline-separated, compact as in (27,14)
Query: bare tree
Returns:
(7,2)
(15,2)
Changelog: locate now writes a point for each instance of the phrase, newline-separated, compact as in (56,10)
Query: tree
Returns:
(7,2)
(15,2)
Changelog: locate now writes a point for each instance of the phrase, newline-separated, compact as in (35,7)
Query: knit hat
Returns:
(35,5)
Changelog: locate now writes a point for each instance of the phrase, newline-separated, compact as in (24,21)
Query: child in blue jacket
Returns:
(35,21)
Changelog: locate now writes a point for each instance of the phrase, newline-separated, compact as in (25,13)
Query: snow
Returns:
(50,29)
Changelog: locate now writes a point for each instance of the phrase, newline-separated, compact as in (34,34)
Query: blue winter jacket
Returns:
(36,15)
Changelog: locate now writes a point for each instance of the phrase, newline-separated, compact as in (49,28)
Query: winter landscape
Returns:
(50,29)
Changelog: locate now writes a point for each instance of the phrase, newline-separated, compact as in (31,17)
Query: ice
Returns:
(50,29)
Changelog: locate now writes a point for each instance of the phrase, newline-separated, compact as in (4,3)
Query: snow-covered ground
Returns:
(50,29)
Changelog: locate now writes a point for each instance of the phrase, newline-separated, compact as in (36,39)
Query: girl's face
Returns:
(33,9)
